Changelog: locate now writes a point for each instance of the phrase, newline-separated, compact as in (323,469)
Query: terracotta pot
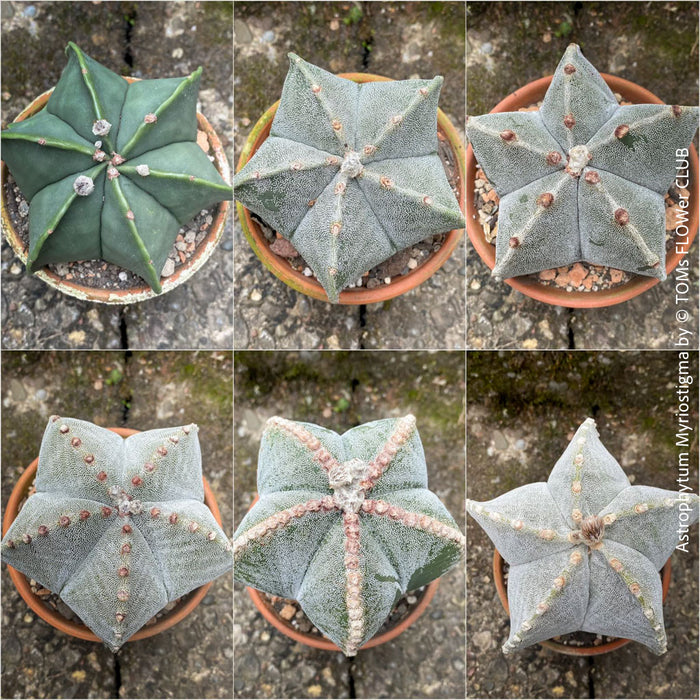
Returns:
(78,629)
(502,589)
(532,93)
(308,285)
(269,613)
(142,292)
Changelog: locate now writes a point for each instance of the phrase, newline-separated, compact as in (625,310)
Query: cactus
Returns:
(582,178)
(111,169)
(117,527)
(350,173)
(585,548)
(344,524)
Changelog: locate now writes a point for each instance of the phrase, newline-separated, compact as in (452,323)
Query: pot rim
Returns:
(80,630)
(553,295)
(309,286)
(269,613)
(142,292)
(502,590)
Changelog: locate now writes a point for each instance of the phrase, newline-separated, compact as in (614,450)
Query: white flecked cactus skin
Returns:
(350,173)
(585,548)
(117,527)
(582,178)
(344,524)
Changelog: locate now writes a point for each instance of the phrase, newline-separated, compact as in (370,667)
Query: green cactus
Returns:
(344,524)
(350,173)
(585,548)
(582,178)
(117,527)
(111,169)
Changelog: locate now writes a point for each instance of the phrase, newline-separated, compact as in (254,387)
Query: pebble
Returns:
(483,639)
(307,272)
(487,48)
(412,264)
(168,268)
(178,53)
(288,612)
(268,36)
(29,11)
(123,276)
(256,295)
(23,208)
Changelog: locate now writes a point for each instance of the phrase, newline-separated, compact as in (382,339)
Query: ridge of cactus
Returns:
(113,523)
(344,524)
(350,172)
(68,160)
(585,548)
(582,178)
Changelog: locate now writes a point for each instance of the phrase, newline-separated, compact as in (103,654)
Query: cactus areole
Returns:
(582,178)
(117,527)
(350,173)
(111,169)
(585,548)
(344,524)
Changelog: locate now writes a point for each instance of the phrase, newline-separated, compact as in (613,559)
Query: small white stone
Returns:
(256,295)
(168,268)
(412,264)
(307,272)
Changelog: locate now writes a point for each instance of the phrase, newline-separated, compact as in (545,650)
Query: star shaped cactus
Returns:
(344,524)
(117,527)
(111,169)
(582,178)
(585,548)
(350,172)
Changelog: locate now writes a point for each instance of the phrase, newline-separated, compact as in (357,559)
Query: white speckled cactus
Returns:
(117,527)
(344,524)
(350,173)
(585,548)
(583,178)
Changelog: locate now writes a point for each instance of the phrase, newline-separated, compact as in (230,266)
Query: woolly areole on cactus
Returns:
(111,168)
(350,173)
(117,527)
(345,524)
(585,548)
(582,178)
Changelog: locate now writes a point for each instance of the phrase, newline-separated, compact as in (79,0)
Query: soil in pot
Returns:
(580,276)
(290,611)
(397,265)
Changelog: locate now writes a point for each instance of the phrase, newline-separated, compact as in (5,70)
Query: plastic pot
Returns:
(530,94)
(78,629)
(308,285)
(560,648)
(142,292)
